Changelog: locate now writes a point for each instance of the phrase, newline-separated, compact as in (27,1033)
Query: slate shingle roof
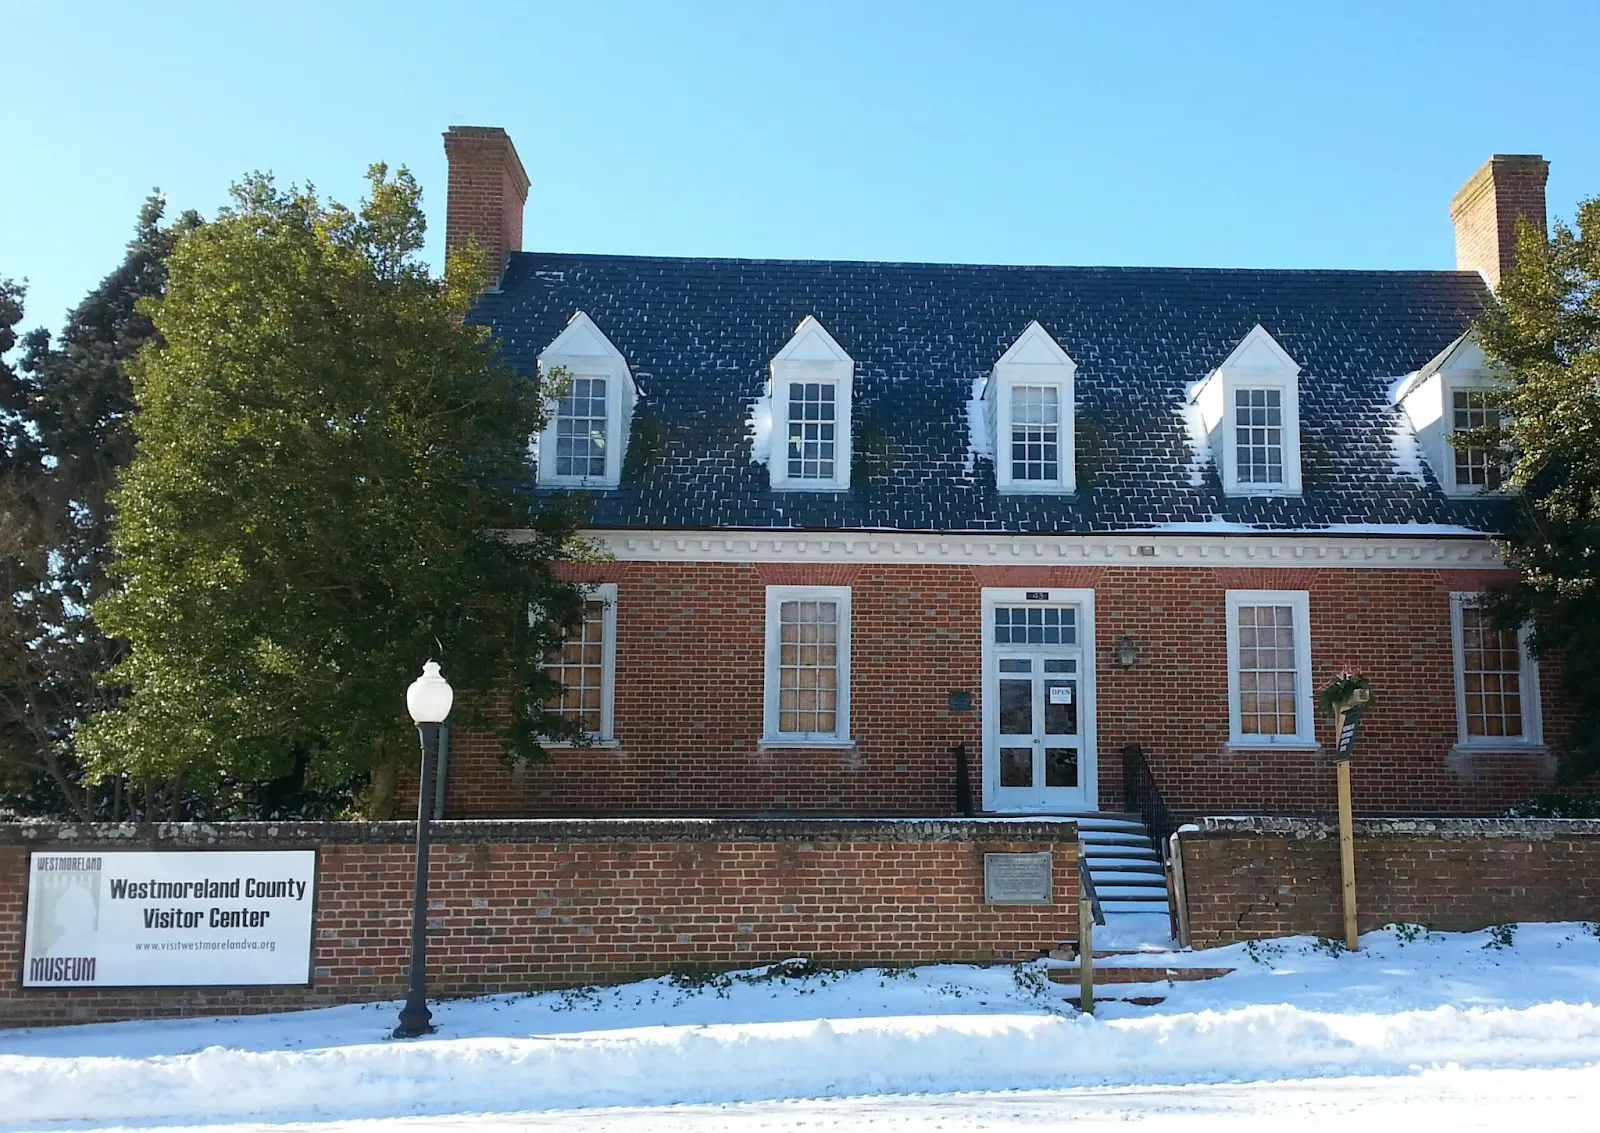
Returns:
(698,335)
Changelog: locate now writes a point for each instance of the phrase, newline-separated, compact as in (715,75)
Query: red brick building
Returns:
(1081,531)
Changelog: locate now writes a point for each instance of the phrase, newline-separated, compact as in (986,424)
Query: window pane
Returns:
(1016,767)
(811,430)
(1268,679)
(1035,433)
(1060,708)
(1016,708)
(580,667)
(581,428)
(1475,467)
(1491,677)
(808,667)
(1060,767)
(1258,433)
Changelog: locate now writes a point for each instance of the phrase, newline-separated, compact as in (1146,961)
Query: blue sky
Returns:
(1272,135)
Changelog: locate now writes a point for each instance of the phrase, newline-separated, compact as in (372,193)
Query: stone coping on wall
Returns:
(544,830)
(1525,829)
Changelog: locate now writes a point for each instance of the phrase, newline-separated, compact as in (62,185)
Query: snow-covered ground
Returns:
(1475,1029)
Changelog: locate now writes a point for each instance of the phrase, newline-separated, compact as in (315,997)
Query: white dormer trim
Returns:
(585,353)
(1036,361)
(1257,363)
(811,358)
(1427,399)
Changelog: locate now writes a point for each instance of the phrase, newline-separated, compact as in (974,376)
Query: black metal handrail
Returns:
(1089,892)
(964,805)
(1142,796)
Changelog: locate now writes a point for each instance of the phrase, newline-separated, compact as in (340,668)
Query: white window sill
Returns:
(1014,489)
(1244,492)
(1241,746)
(784,741)
(570,744)
(586,485)
(810,486)
(1504,747)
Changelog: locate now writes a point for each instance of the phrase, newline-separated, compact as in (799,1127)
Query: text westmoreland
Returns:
(170,919)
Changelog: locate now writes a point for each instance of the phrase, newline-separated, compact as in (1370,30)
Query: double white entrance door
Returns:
(1037,704)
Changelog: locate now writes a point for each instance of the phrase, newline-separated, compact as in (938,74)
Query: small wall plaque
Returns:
(960,702)
(1019,879)
(1038,596)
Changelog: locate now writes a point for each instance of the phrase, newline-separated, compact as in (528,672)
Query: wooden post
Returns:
(1085,944)
(1347,846)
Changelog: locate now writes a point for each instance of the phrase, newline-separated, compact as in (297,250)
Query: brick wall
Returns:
(1245,879)
(519,905)
(690,649)
(1486,209)
(485,193)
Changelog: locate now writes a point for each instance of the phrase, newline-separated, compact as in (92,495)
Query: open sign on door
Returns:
(1060,694)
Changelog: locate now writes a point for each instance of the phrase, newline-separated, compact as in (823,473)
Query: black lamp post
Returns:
(428,700)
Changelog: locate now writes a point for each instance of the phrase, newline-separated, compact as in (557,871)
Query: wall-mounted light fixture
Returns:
(1127,652)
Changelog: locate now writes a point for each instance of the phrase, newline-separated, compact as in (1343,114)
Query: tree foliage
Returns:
(327,462)
(1543,333)
(67,432)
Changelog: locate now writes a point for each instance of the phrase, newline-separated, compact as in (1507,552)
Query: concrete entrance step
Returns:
(1120,974)
(1114,907)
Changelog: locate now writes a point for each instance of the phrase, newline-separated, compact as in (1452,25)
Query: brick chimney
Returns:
(488,188)
(1485,212)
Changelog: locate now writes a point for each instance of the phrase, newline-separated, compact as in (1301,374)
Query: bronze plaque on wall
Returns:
(1019,879)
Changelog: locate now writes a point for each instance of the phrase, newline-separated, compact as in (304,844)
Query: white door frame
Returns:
(1088,762)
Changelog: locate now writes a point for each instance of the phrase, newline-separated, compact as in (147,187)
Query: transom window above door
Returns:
(1035,625)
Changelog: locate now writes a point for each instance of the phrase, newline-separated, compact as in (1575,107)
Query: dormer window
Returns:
(1258,433)
(813,436)
(582,420)
(810,390)
(1475,469)
(1029,399)
(1250,409)
(1454,393)
(586,436)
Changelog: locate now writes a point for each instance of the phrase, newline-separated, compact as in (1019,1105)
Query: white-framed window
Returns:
(1497,680)
(1029,407)
(810,390)
(1454,391)
(586,665)
(582,427)
(1269,668)
(1258,435)
(1035,434)
(811,443)
(586,435)
(1249,409)
(808,665)
(1472,470)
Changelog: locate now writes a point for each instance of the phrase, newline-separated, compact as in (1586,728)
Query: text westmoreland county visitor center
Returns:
(170,919)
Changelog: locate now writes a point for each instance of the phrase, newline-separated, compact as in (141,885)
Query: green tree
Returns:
(28,702)
(327,462)
(1543,333)
(67,410)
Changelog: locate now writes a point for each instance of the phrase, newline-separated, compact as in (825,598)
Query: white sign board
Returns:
(211,918)
(1060,694)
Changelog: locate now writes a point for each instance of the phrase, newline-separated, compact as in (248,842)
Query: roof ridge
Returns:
(1112,268)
